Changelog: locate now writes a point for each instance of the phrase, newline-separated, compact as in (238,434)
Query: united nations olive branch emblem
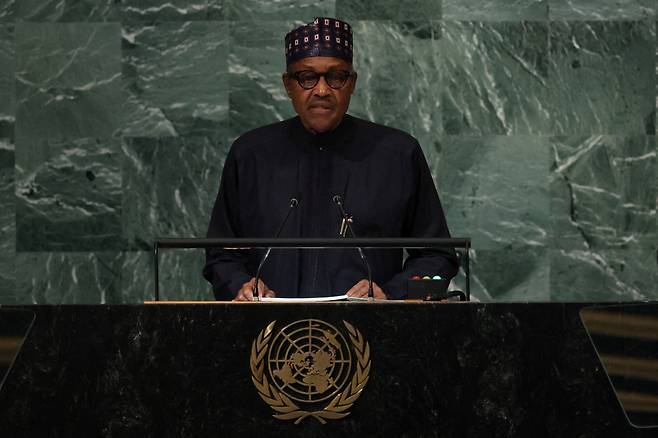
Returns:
(306,369)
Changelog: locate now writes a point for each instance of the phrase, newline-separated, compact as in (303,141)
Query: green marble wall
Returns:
(537,118)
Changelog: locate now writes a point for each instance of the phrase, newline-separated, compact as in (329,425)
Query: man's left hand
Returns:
(360,290)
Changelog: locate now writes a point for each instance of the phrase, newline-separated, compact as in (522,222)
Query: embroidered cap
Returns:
(321,37)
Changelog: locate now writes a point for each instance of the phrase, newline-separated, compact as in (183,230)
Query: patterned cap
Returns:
(322,37)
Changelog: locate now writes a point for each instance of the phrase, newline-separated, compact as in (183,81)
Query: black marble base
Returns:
(445,370)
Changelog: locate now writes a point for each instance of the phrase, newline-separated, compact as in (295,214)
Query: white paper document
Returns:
(312,299)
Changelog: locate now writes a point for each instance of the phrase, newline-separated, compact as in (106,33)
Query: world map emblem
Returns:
(310,368)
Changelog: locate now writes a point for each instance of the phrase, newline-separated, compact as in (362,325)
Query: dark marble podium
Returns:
(445,370)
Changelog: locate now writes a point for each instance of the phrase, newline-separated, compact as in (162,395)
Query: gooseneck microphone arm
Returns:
(293,203)
(338,200)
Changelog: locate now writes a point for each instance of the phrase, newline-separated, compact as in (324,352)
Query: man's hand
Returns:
(360,290)
(246,292)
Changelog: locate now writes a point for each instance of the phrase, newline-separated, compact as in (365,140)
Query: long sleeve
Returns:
(226,270)
(424,218)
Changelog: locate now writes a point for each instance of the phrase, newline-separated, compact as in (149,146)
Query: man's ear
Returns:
(286,83)
(354,77)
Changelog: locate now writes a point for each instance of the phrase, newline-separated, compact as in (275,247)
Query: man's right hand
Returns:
(246,292)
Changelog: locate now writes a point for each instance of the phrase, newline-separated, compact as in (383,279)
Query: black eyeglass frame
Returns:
(295,75)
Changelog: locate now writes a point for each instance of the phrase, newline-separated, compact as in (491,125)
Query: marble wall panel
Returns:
(602,77)
(172,10)
(603,192)
(494,189)
(603,275)
(175,77)
(401,91)
(495,78)
(7,10)
(302,11)
(7,57)
(66,11)
(169,187)
(399,10)
(138,193)
(137,277)
(68,278)
(68,195)
(7,223)
(601,9)
(7,187)
(495,10)
(67,80)
(509,274)
(188,176)
(256,62)
(180,276)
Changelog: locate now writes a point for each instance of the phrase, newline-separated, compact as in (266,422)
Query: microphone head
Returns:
(337,199)
(294,202)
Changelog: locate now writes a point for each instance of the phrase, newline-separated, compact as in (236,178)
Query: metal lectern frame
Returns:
(313,243)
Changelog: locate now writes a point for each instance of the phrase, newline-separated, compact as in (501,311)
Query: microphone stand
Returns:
(293,203)
(339,202)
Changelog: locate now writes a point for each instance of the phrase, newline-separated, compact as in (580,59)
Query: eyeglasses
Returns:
(308,78)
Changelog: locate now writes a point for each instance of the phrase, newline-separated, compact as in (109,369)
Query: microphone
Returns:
(338,200)
(293,204)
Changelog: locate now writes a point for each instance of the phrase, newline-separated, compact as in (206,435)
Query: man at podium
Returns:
(302,177)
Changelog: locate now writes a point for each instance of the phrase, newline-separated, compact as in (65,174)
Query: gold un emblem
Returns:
(309,369)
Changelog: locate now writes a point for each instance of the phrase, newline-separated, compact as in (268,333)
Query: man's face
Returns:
(320,108)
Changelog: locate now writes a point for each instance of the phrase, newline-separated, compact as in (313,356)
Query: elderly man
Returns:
(379,174)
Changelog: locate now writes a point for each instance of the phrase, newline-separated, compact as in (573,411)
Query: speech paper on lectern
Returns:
(312,299)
